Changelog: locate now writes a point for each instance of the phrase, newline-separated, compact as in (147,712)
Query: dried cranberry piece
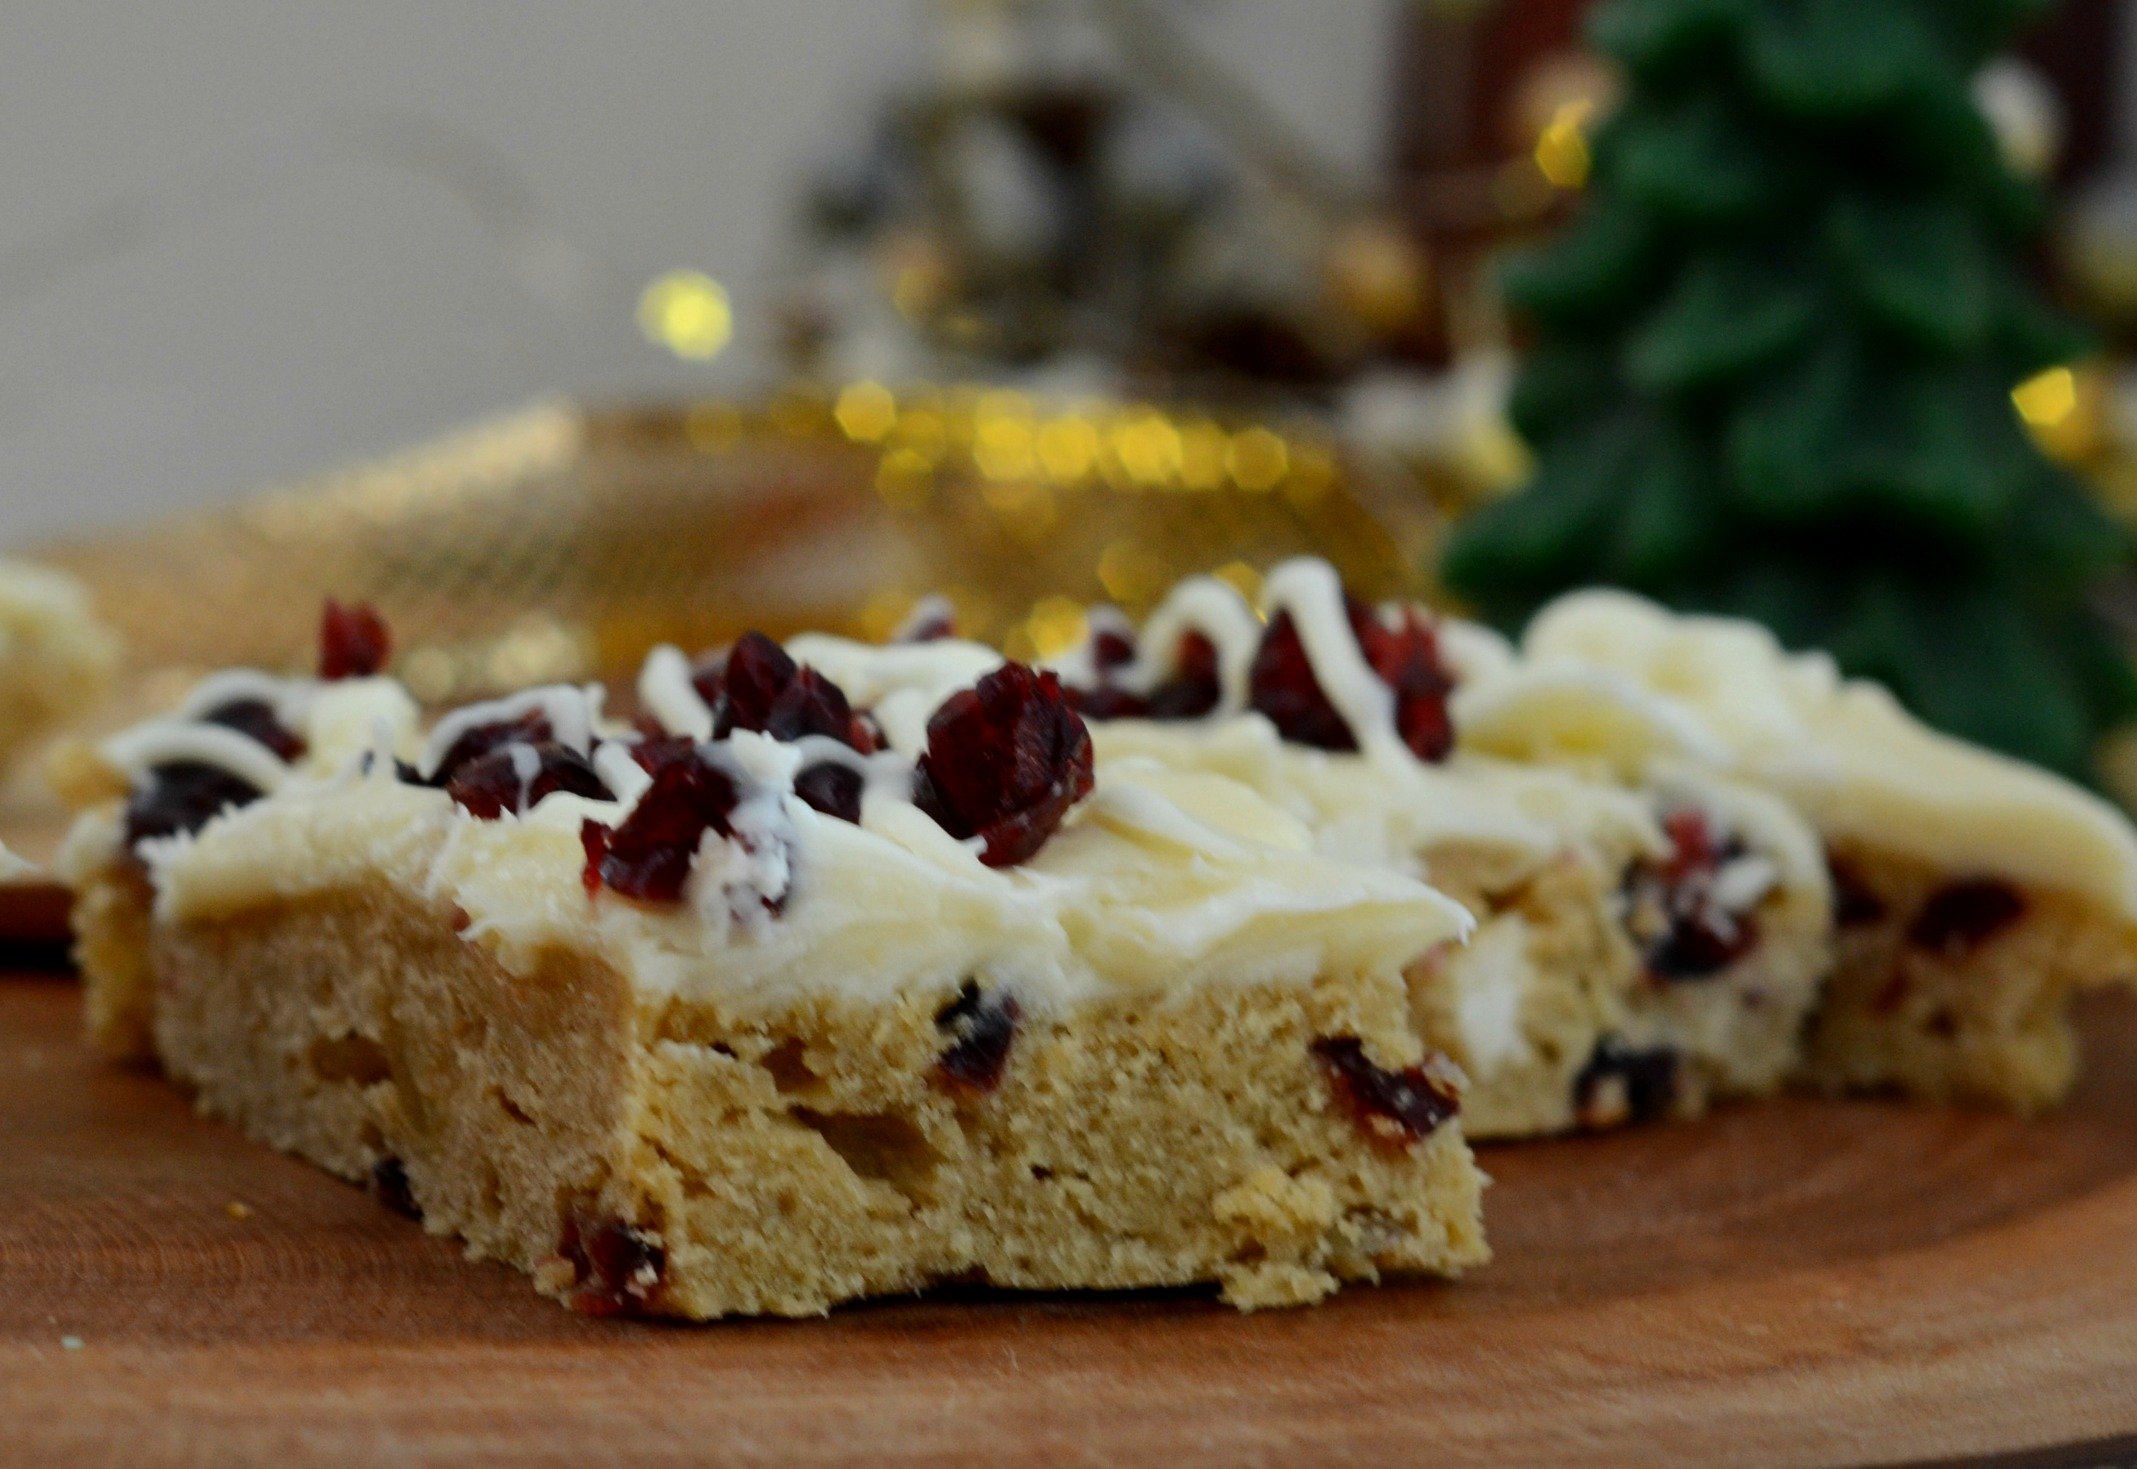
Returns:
(1005,760)
(1107,701)
(652,755)
(1623,1083)
(1961,916)
(183,796)
(1672,908)
(758,686)
(1855,903)
(353,641)
(1281,686)
(983,1027)
(531,728)
(810,705)
(1407,659)
(617,1268)
(256,718)
(493,784)
(756,673)
(1394,1106)
(389,1184)
(648,856)
(1111,648)
(1194,688)
(831,788)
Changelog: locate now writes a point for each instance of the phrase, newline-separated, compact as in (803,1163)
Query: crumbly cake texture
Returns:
(56,659)
(1168,1043)
(1972,894)
(1611,977)
(693,1158)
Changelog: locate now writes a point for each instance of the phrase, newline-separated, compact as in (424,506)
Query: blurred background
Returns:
(785,312)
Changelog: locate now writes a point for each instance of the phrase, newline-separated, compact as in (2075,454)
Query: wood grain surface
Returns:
(1798,1283)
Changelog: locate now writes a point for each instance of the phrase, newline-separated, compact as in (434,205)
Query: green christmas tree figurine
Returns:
(1773,360)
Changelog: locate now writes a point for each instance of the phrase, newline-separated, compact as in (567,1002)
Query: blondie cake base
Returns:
(1526,1002)
(1957,989)
(682,1156)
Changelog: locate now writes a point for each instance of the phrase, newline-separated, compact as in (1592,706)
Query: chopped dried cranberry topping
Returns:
(1192,691)
(1281,685)
(754,674)
(831,788)
(516,778)
(353,641)
(1623,1083)
(1111,648)
(618,1268)
(758,686)
(1395,1106)
(1672,909)
(1004,762)
(531,728)
(183,797)
(1406,658)
(983,1027)
(648,856)
(1854,902)
(1961,916)
(1107,701)
(256,718)
(389,1184)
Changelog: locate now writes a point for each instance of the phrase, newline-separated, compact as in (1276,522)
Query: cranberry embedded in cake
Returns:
(1393,1106)
(1689,923)
(983,1027)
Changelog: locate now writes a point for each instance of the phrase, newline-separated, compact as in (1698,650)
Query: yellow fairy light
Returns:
(687,312)
(1067,448)
(1002,447)
(1202,453)
(905,478)
(865,411)
(1056,625)
(2046,399)
(2065,411)
(1148,448)
(1257,459)
(1562,149)
(1131,574)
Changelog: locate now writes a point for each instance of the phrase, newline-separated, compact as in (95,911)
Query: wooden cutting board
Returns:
(1796,1283)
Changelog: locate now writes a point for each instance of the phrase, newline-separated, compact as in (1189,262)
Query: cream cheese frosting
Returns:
(1610,681)
(1159,879)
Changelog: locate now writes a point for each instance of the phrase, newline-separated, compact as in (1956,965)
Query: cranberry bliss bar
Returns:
(1973,893)
(743,1010)
(1638,949)
(56,659)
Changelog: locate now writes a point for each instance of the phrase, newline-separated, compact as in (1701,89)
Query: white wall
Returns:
(208,282)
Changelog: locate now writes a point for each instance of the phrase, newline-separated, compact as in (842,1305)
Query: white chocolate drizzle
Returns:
(667,691)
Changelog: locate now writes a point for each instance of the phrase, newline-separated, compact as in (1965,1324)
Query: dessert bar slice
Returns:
(1638,950)
(56,659)
(1973,893)
(743,1012)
